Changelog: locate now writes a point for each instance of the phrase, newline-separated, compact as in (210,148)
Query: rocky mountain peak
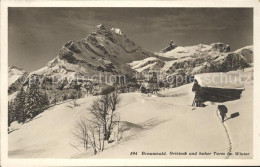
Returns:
(72,47)
(103,50)
(170,47)
(221,47)
(101,26)
(101,29)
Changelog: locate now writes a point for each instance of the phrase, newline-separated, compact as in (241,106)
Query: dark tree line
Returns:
(27,104)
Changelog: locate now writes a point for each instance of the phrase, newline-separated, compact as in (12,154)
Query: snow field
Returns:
(157,124)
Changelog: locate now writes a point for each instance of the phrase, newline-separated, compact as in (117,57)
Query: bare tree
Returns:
(103,110)
(114,102)
(100,109)
(92,133)
(81,133)
(88,134)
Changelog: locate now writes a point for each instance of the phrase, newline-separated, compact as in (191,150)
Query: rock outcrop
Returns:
(170,47)
(220,47)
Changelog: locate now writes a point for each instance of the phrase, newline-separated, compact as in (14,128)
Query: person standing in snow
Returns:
(222,111)
(196,101)
(196,88)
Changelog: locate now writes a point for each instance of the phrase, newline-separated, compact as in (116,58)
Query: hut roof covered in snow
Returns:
(220,80)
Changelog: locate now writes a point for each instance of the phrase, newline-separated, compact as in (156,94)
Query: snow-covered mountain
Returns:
(174,51)
(191,60)
(110,52)
(14,73)
(16,77)
(103,50)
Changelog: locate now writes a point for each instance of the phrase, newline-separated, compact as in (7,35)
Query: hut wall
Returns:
(218,94)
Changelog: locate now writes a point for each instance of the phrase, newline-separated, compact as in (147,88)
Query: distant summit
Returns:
(175,51)
(117,30)
(14,67)
(170,47)
(192,60)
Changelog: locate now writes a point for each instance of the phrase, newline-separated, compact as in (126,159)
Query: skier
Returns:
(222,111)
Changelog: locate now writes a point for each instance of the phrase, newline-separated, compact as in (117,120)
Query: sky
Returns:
(35,35)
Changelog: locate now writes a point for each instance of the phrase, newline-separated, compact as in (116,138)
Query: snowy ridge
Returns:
(61,68)
(181,51)
(246,47)
(14,74)
(201,58)
(169,64)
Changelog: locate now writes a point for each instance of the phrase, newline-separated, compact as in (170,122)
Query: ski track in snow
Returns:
(228,136)
(225,127)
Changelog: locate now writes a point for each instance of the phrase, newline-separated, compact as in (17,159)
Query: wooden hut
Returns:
(217,87)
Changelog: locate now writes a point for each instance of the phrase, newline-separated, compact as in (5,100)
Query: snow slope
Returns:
(48,135)
(181,51)
(166,124)
(151,63)
(185,51)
